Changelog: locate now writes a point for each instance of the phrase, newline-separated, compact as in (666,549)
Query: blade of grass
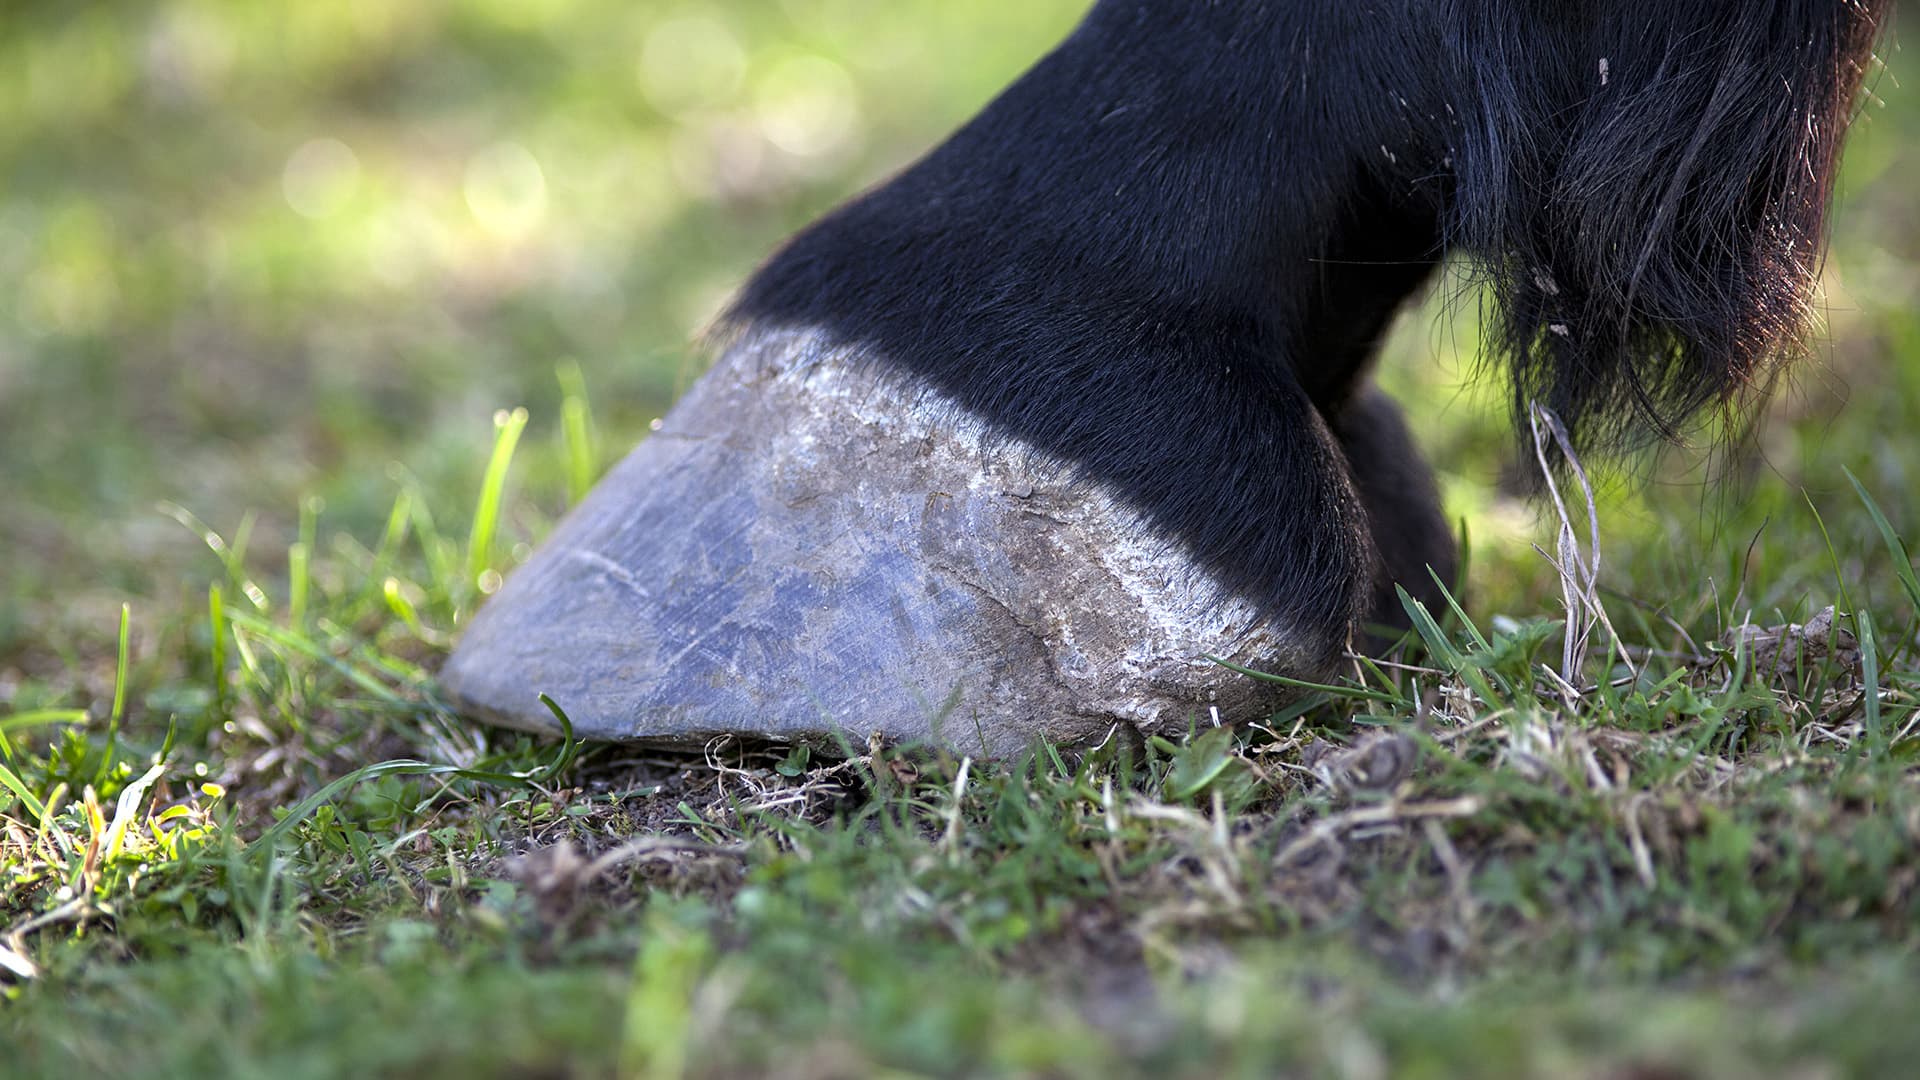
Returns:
(1442,647)
(1847,609)
(310,508)
(1833,557)
(576,430)
(299,559)
(507,427)
(442,559)
(398,603)
(569,746)
(296,585)
(21,791)
(217,626)
(1356,693)
(232,556)
(42,718)
(303,809)
(1444,650)
(237,551)
(1870,686)
(306,647)
(36,718)
(1369,666)
(300,811)
(127,808)
(398,520)
(1902,561)
(119,697)
(1453,605)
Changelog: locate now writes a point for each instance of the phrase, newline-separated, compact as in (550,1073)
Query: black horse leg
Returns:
(1412,541)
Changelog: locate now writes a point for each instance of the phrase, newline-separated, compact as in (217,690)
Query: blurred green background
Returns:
(255,253)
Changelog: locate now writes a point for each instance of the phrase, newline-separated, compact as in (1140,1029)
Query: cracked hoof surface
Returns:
(811,549)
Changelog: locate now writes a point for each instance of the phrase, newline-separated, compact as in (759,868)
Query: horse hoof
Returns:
(811,549)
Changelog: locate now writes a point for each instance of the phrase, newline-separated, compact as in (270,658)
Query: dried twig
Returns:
(1579,571)
(1392,812)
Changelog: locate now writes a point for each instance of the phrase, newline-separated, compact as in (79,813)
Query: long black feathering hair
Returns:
(1646,187)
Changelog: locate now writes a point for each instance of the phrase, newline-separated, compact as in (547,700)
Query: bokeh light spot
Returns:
(400,239)
(506,189)
(691,63)
(73,288)
(320,177)
(806,106)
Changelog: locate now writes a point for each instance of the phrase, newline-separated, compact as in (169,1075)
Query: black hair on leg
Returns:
(1412,539)
(1169,250)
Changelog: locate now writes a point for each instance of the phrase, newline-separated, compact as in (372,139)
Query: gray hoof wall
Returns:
(809,549)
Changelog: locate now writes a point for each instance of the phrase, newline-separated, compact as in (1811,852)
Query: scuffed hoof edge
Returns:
(811,549)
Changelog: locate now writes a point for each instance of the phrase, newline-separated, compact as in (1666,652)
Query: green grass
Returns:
(256,485)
